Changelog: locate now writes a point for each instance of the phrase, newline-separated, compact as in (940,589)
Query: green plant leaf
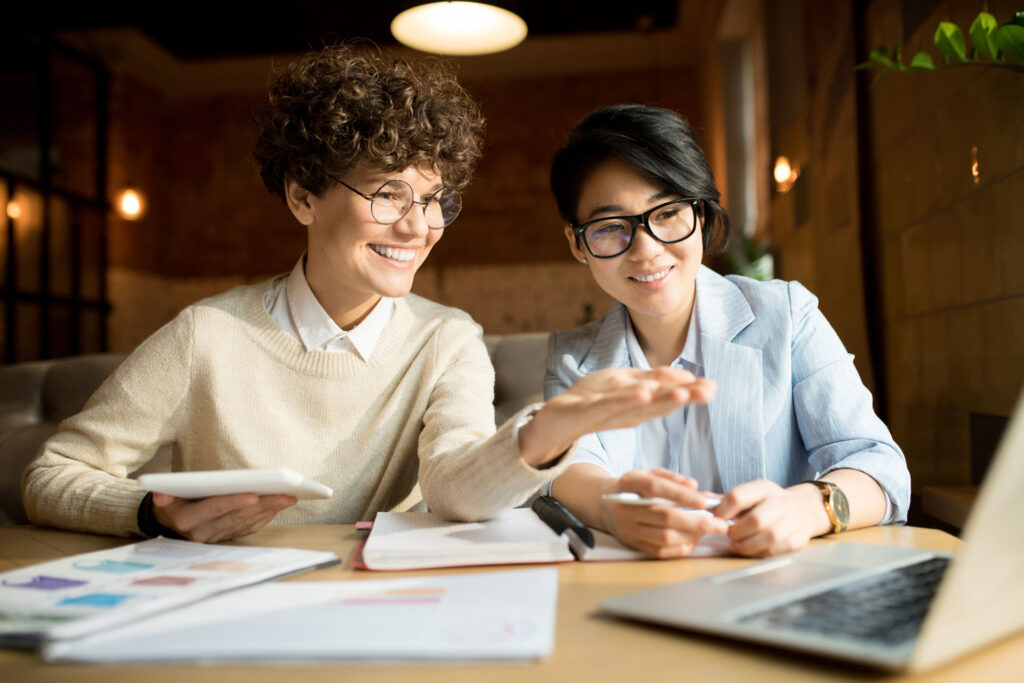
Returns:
(950,41)
(983,33)
(880,56)
(922,61)
(1010,39)
(877,57)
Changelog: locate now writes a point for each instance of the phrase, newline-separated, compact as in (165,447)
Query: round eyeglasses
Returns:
(670,222)
(395,198)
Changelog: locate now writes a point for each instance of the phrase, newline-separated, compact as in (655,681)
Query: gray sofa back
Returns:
(36,396)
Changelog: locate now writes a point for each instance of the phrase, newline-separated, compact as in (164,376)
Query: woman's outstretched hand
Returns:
(608,399)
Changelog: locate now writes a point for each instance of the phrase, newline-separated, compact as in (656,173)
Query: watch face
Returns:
(840,506)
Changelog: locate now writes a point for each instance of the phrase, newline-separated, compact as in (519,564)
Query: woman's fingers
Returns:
(220,518)
(745,497)
(606,399)
(183,515)
(662,530)
(662,484)
(781,537)
(611,379)
(628,407)
(772,520)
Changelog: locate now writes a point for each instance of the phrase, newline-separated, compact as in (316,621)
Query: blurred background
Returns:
(897,201)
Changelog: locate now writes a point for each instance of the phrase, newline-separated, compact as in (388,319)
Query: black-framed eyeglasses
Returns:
(395,198)
(670,222)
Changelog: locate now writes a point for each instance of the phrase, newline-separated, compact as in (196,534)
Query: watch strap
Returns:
(148,524)
(826,489)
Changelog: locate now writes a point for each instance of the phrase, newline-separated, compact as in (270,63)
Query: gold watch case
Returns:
(837,507)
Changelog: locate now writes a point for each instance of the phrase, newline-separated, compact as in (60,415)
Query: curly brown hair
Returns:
(340,106)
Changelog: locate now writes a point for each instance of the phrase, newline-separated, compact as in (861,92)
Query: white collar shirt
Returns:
(680,441)
(292,305)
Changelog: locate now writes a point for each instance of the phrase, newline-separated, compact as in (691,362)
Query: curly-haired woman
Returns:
(334,370)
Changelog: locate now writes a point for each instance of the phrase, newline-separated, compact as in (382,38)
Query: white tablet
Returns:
(225,482)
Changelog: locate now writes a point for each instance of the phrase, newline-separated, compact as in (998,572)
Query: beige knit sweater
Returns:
(230,389)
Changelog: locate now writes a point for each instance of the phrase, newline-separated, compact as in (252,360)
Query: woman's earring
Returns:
(584,260)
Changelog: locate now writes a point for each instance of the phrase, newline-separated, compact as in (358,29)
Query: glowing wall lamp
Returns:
(785,174)
(131,204)
(458,28)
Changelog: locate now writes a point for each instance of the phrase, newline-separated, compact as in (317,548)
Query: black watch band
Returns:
(148,524)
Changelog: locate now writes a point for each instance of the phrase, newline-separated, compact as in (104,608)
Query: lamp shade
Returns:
(458,28)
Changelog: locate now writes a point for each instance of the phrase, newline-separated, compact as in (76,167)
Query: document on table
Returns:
(493,615)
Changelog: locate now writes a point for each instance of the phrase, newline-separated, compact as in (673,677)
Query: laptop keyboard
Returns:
(884,608)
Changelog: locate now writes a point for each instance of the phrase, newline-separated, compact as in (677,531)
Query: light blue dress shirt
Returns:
(680,441)
(790,405)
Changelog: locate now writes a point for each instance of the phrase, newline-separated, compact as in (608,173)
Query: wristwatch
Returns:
(836,506)
(148,524)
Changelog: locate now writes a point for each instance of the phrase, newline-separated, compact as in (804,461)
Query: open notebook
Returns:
(421,540)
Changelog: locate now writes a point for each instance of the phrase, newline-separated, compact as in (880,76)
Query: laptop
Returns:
(900,609)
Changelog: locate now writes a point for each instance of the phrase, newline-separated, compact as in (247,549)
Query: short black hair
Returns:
(657,143)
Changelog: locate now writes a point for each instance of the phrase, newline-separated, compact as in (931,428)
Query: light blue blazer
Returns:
(790,403)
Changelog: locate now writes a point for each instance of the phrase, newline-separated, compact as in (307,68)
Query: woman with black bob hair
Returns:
(790,447)
(657,144)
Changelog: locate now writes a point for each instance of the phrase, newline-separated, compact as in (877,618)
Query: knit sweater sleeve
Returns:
(79,478)
(469,472)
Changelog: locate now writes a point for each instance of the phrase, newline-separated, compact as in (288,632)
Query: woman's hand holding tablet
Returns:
(214,506)
(225,482)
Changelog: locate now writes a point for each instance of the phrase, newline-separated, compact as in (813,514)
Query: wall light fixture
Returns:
(785,174)
(131,204)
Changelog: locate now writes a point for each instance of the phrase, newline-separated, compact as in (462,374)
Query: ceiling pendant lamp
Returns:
(458,28)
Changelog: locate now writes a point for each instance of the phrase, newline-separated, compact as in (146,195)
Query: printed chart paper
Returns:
(80,594)
(493,615)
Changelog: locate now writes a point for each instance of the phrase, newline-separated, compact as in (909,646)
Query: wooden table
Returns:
(588,647)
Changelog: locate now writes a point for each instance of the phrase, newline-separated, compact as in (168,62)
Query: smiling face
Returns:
(655,281)
(353,260)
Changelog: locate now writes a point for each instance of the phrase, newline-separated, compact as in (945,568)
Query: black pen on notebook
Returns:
(561,521)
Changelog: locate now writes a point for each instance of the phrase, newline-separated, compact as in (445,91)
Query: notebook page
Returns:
(607,548)
(416,540)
